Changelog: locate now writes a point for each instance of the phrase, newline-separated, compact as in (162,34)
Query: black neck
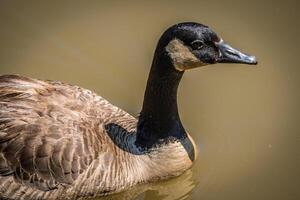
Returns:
(159,120)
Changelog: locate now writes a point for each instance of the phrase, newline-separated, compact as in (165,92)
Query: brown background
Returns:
(245,119)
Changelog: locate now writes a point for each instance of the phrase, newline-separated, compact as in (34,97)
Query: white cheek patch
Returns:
(181,56)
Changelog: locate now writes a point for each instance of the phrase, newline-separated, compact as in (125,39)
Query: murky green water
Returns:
(244,119)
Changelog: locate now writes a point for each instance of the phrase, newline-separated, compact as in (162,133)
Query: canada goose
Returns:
(59,141)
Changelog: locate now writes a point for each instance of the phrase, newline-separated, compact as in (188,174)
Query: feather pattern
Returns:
(54,144)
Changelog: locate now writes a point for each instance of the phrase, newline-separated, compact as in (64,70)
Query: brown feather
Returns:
(53,142)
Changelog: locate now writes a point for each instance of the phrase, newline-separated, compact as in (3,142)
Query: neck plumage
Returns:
(159,120)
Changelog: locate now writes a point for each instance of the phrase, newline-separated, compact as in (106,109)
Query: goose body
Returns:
(59,141)
(54,143)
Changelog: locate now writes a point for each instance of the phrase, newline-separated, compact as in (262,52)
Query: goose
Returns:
(60,141)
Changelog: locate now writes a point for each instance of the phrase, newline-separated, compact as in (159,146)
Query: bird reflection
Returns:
(178,188)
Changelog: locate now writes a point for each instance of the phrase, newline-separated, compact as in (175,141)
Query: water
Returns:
(243,118)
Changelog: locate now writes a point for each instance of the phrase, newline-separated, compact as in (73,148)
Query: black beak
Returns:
(231,55)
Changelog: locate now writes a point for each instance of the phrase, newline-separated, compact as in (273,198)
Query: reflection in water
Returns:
(167,190)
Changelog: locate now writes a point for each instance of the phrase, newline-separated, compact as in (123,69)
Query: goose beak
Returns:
(227,54)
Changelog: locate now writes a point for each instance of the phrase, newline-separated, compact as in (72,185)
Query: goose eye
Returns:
(197,44)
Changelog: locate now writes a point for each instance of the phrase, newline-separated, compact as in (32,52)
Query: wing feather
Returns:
(44,137)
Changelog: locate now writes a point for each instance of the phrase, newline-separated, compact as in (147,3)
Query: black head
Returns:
(190,45)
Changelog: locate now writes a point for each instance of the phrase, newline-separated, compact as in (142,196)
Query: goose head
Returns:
(191,45)
(181,47)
